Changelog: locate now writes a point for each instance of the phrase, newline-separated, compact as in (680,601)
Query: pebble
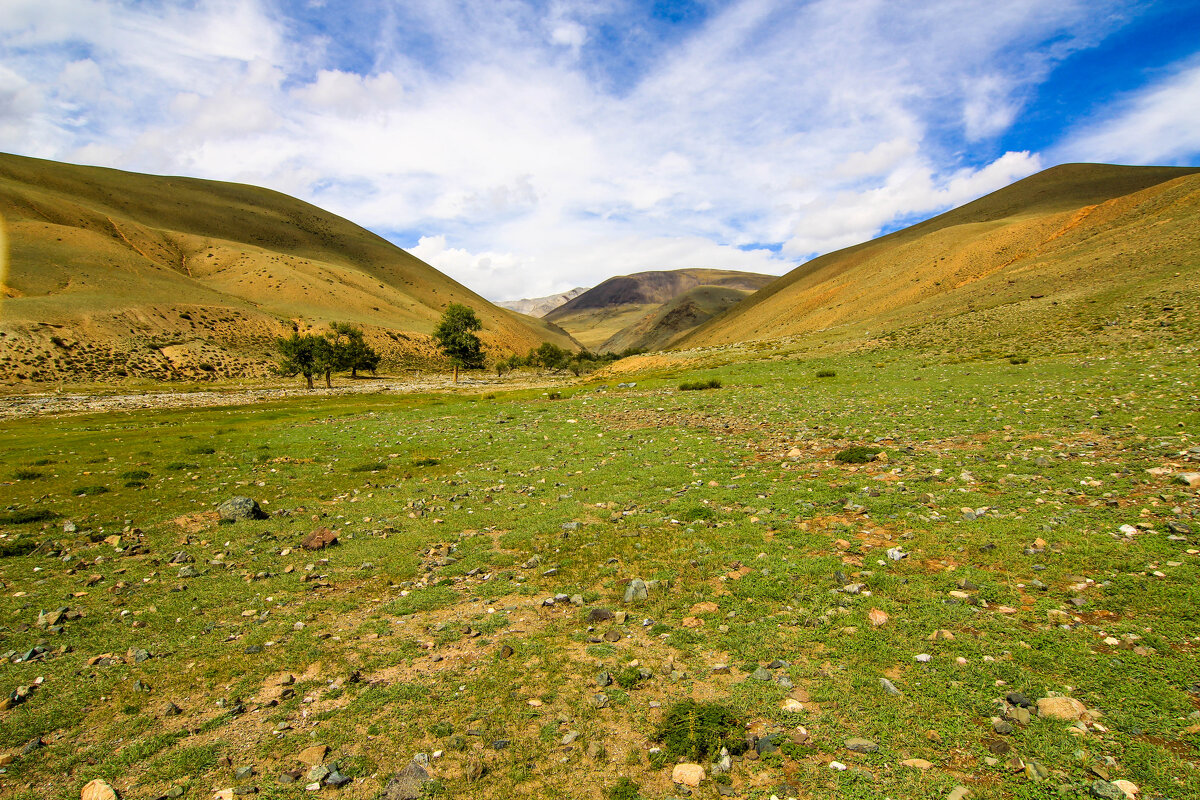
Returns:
(98,790)
(687,774)
(636,591)
(890,687)
(924,658)
(857,745)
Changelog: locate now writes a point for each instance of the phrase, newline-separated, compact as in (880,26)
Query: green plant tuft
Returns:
(698,386)
(698,731)
(858,454)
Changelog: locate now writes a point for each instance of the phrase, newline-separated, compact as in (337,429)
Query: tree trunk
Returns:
(308,377)
(456,373)
(353,373)
(328,382)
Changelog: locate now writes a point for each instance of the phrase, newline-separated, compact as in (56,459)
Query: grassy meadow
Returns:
(1032,553)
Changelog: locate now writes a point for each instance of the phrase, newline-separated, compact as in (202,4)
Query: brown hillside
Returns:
(600,314)
(1061,235)
(116,274)
(668,322)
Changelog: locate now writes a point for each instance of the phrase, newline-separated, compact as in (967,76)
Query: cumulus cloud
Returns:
(526,147)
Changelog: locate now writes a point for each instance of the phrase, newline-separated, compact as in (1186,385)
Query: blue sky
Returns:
(527,146)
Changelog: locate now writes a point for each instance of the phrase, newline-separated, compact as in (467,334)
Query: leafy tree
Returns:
(354,352)
(455,335)
(327,356)
(552,357)
(298,355)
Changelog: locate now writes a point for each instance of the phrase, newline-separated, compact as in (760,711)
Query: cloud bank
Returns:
(528,147)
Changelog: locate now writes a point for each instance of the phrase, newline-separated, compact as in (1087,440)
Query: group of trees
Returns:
(549,357)
(341,347)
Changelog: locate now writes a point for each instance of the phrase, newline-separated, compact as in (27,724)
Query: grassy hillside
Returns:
(117,274)
(1043,258)
(668,322)
(599,315)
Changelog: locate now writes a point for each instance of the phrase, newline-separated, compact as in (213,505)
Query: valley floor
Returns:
(1024,531)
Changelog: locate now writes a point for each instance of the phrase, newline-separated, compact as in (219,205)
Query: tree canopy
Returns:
(341,347)
(455,335)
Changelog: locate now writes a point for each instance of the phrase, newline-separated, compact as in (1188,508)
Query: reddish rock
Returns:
(319,539)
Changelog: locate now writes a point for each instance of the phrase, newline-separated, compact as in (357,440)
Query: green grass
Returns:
(396,636)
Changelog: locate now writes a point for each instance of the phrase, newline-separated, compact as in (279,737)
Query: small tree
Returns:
(552,357)
(298,356)
(354,352)
(455,335)
(328,355)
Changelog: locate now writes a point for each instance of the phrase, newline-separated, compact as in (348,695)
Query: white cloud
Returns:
(523,156)
(1158,125)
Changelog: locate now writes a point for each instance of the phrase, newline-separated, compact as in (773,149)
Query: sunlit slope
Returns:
(668,322)
(115,272)
(1018,259)
(598,317)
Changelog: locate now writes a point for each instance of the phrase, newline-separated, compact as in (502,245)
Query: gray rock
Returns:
(241,773)
(599,615)
(599,700)
(761,674)
(570,737)
(768,744)
(1106,790)
(407,784)
(69,527)
(336,779)
(895,554)
(1003,728)
(1018,699)
(636,591)
(785,682)
(890,687)
(318,773)
(188,571)
(604,679)
(856,745)
(236,508)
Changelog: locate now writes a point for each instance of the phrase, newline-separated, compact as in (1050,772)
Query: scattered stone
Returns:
(688,774)
(856,745)
(172,710)
(890,687)
(877,617)
(1189,479)
(924,658)
(636,591)
(319,539)
(959,793)
(336,779)
(98,790)
(761,674)
(612,635)
(241,773)
(1001,727)
(314,755)
(409,783)
(792,706)
(597,615)
(604,679)
(1130,789)
(1064,708)
(506,651)
(69,526)
(1018,699)
(896,554)
(236,508)
(599,700)
(188,571)
(837,766)
(33,745)
(916,763)
(720,669)
(570,737)
(596,751)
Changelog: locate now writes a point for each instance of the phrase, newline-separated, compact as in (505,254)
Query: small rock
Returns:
(1130,789)
(877,617)
(636,591)
(1001,727)
(599,615)
(1064,708)
(319,539)
(916,763)
(792,706)
(596,751)
(599,700)
(889,687)
(688,774)
(1189,479)
(856,745)
(188,571)
(612,635)
(895,554)
(98,790)
(1018,699)
(959,793)
(409,783)
(312,755)
(761,674)
(570,737)
(236,508)
(923,658)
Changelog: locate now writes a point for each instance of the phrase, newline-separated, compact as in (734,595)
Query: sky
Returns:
(524,147)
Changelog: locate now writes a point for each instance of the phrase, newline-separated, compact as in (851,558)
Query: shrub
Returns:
(624,789)
(697,386)
(629,678)
(698,731)
(135,475)
(200,451)
(425,462)
(27,515)
(17,547)
(87,491)
(826,373)
(26,475)
(856,455)
(177,466)
(1018,360)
